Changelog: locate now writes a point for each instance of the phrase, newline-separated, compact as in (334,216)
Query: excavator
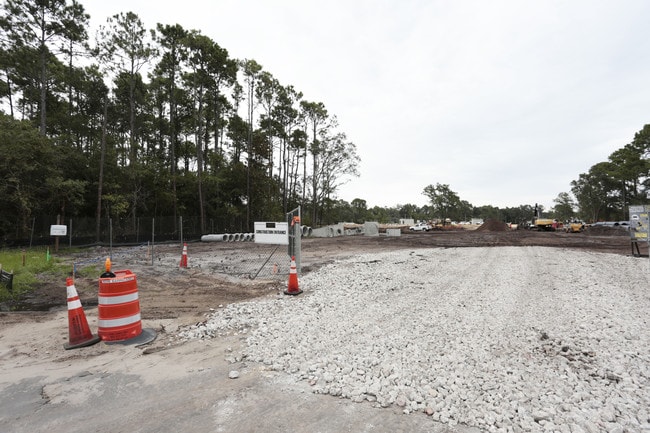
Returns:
(544,224)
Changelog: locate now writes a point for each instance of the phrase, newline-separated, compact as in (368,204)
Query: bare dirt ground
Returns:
(171,385)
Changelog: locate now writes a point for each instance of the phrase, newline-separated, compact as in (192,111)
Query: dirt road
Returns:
(170,385)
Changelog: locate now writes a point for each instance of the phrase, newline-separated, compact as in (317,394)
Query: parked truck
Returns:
(420,227)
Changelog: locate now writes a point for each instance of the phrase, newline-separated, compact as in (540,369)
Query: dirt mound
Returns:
(493,226)
(606,231)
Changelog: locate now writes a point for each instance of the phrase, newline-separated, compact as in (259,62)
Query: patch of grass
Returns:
(90,271)
(29,266)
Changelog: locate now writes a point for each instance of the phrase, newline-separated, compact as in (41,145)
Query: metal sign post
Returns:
(295,233)
(57,230)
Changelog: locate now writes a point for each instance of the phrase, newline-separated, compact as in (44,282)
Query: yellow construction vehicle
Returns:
(574,226)
(544,224)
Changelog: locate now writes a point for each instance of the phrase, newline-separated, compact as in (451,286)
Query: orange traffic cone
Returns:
(292,287)
(184,256)
(79,331)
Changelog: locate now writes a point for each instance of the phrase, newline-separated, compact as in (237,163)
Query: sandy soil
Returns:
(169,385)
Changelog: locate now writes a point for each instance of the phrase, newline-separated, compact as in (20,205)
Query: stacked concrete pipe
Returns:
(229,237)
(214,238)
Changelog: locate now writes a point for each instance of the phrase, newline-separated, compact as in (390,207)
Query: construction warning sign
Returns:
(272,233)
(58,230)
(639,222)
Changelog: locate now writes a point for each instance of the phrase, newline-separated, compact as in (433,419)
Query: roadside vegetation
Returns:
(163,123)
(31,267)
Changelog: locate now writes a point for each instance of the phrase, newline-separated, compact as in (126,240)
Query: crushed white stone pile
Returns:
(503,339)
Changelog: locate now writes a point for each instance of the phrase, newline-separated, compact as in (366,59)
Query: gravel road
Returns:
(503,339)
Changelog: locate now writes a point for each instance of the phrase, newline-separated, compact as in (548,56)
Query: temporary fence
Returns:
(237,259)
(159,242)
(112,231)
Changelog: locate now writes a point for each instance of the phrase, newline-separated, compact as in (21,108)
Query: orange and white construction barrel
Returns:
(119,307)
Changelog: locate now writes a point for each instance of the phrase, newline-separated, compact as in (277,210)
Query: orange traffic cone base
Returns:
(93,340)
(292,292)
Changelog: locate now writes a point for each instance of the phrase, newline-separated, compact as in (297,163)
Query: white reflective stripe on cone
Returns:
(112,323)
(113,300)
(73,305)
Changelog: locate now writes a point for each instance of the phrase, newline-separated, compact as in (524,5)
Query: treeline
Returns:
(604,193)
(446,205)
(607,190)
(148,122)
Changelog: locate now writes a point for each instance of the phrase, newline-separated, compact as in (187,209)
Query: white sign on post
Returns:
(276,233)
(58,230)
(639,222)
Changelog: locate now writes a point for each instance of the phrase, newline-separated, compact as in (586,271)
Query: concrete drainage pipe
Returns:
(214,238)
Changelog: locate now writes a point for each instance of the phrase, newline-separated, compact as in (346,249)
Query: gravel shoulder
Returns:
(464,338)
(510,338)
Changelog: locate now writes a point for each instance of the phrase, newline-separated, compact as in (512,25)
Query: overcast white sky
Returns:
(506,101)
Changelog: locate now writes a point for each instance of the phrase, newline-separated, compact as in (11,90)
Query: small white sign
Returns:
(58,230)
(276,233)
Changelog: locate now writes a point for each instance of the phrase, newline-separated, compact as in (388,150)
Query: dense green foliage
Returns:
(148,123)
